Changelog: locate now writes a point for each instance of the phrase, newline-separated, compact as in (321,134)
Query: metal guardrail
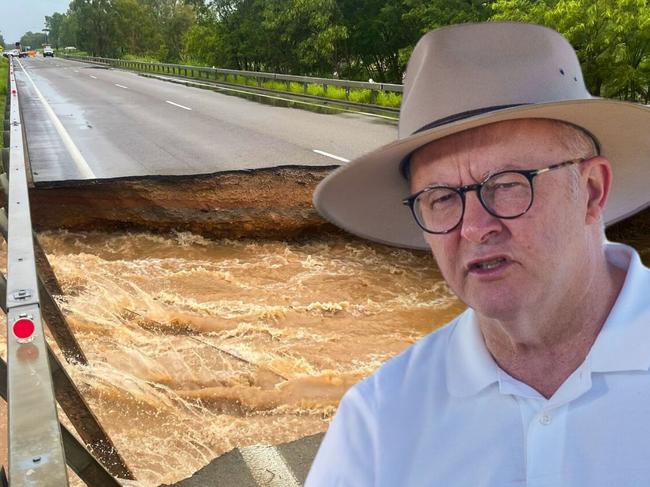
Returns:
(35,446)
(28,385)
(213,73)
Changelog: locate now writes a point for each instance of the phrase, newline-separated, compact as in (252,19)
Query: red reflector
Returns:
(23,328)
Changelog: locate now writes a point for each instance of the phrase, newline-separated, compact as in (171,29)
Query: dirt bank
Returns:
(267,203)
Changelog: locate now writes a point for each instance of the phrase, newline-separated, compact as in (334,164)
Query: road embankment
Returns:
(264,203)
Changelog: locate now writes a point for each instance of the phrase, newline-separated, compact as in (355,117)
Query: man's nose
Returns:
(478,225)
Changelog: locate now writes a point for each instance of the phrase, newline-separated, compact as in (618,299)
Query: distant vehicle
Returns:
(48,51)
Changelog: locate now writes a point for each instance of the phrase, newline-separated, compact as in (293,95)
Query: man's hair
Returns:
(580,144)
(577,141)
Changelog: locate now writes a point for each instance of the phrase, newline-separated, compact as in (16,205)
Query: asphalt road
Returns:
(88,122)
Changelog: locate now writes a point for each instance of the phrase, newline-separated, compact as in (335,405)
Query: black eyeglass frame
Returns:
(462,190)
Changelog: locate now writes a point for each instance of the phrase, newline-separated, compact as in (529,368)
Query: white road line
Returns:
(177,105)
(121,86)
(327,154)
(268,467)
(77,158)
(93,77)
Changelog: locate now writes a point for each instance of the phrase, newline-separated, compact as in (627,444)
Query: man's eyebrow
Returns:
(484,175)
(504,167)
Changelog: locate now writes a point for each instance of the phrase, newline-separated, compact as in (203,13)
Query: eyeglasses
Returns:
(505,194)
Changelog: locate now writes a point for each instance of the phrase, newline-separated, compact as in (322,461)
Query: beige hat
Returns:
(468,75)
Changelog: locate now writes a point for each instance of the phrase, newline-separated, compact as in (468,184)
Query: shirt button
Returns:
(545,419)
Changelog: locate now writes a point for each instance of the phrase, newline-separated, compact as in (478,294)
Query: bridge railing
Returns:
(33,379)
(259,76)
(35,446)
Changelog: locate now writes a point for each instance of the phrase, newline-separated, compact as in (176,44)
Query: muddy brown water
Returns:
(198,344)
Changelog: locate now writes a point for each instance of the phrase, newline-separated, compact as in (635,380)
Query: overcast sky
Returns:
(20,16)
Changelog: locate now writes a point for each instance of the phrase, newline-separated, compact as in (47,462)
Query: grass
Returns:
(389,99)
(143,59)
(4,88)
(363,96)
(63,52)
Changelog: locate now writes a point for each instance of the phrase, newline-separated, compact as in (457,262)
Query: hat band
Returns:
(405,162)
(462,115)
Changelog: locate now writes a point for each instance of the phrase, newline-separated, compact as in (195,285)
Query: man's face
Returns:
(500,267)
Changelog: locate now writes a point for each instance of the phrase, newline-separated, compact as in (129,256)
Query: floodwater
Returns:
(198,346)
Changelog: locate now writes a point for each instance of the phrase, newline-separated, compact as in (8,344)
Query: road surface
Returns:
(88,122)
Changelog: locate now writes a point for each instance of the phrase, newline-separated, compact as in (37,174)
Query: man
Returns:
(508,170)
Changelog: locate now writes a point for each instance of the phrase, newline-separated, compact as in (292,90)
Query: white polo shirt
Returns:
(444,414)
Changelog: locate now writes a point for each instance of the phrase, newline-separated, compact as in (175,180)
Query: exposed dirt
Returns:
(267,203)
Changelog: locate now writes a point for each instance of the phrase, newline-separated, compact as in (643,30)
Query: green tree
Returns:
(431,14)
(175,27)
(245,43)
(630,78)
(303,36)
(379,31)
(201,44)
(54,23)
(135,28)
(96,26)
(69,31)
(611,37)
(32,39)
(173,19)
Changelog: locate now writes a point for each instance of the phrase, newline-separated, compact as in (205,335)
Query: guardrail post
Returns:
(373,96)
(347,92)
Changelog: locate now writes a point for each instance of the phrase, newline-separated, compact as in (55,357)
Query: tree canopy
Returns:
(33,39)
(354,39)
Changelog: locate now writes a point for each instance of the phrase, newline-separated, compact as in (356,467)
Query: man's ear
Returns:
(597,175)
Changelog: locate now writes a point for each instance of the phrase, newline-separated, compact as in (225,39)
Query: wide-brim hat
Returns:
(462,77)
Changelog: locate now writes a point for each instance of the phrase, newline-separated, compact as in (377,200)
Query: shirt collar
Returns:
(621,345)
(470,367)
